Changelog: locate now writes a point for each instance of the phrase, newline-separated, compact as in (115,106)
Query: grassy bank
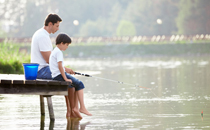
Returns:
(13,55)
(11,59)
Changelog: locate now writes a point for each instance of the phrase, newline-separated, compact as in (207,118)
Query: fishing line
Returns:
(87,75)
(166,104)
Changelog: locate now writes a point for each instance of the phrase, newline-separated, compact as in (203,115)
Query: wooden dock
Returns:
(16,84)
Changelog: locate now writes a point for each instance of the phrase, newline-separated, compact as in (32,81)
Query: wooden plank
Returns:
(18,81)
(41,82)
(53,82)
(33,89)
(6,81)
(47,95)
(17,76)
(4,76)
(30,82)
(12,76)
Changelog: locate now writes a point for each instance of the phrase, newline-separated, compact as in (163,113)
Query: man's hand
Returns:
(68,70)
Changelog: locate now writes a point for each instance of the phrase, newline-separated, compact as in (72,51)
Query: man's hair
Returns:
(54,18)
(62,37)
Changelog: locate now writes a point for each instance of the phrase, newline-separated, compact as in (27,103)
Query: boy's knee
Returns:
(79,86)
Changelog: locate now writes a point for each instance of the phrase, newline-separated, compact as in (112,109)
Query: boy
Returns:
(58,73)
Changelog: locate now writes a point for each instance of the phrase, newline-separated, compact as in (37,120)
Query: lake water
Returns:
(179,89)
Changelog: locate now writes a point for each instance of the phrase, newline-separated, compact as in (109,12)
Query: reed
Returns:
(11,58)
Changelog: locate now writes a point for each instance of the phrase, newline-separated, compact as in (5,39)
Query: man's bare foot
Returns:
(84,111)
(73,115)
(76,112)
(68,114)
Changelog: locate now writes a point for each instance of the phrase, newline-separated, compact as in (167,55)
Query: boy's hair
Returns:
(62,37)
(54,18)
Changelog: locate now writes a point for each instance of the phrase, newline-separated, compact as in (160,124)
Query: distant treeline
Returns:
(141,50)
(127,39)
(85,18)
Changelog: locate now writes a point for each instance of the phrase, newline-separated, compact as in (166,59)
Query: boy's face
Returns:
(64,46)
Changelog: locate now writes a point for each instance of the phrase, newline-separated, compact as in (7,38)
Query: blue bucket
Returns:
(30,70)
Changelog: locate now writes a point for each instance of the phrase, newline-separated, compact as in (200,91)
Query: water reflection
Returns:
(42,123)
(178,99)
(74,124)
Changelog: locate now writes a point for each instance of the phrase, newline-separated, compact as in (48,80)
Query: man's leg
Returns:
(44,73)
(68,114)
(71,92)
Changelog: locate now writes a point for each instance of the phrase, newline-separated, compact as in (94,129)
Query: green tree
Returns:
(33,16)
(194,17)
(94,28)
(126,28)
(144,14)
(104,26)
(11,16)
(88,13)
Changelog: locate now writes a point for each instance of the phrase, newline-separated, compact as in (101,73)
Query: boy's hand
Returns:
(69,80)
(70,71)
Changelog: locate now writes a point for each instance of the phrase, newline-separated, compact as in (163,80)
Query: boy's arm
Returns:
(68,70)
(62,72)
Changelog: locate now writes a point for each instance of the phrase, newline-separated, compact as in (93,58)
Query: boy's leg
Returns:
(76,107)
(79,86)
(82,104)
(71,91)
(68,114)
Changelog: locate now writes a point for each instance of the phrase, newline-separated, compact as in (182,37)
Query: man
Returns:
(41,48)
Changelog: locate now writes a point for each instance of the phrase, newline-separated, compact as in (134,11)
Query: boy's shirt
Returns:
(55,57)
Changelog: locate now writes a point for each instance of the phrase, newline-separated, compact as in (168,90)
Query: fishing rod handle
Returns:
(82,74)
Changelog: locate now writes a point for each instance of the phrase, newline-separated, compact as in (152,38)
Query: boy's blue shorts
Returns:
(76,82)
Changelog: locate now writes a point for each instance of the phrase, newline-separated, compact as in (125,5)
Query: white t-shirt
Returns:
(40,42)
(55,57)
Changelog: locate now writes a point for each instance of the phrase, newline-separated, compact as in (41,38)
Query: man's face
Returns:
(55,27)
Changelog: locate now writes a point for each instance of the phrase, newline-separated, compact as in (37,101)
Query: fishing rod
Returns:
(87,75)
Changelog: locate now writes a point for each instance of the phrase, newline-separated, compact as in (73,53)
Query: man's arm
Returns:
(46,55)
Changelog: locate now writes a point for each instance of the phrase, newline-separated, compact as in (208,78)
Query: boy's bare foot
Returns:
(84,111)
(76,112)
